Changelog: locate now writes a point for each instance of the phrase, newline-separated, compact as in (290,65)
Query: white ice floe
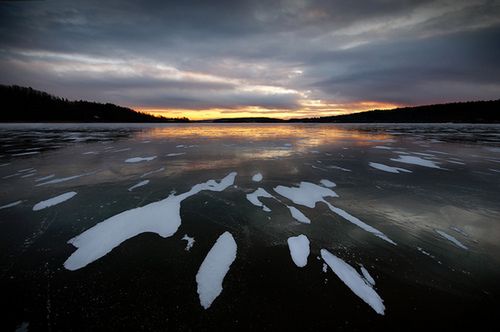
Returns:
(59,180)
(351,278)
(28,175)
(45,178)
(139,159)
(161,169)
(389,169)
(359,223)
(175,154)
(367,276)
(140,184)
(53,201)
(456,162)
(214,268)
(328,183)
(162,217)
(451,239)
(381,147)
(308,194)
(428,254)
(257,177)
(10,205)
(339,168)
(299,249)
(121,150)
(297,215)
(190,242)
(180,146)
(25,153)
(416,161)
(254,198)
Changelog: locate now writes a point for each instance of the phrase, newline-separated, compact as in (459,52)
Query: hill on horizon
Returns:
(25,104)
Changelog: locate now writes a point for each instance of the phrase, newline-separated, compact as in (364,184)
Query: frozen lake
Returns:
(249,226)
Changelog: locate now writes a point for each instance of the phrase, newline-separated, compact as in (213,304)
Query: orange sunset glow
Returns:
(310,108)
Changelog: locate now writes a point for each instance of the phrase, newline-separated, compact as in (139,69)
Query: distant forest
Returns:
(21,104)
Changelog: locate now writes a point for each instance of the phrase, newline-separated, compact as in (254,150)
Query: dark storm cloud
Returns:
(269,54)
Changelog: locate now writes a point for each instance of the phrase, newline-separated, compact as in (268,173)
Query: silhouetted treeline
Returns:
(466,112)
(21,104)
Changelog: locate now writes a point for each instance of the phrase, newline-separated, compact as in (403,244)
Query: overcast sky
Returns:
(263,58)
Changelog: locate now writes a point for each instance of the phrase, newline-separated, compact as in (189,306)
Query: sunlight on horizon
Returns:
(311,108)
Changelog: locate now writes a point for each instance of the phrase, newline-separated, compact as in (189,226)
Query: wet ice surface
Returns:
(127,260)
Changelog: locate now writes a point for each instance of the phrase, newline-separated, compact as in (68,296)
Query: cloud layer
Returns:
(291,58)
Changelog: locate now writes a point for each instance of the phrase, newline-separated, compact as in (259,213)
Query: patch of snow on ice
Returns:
(10,205)
(381,147)
(339,168)
(328,183)
(25,153)
(297,215)
(175,154)
(59,180)
(45,178)
(162,217)
(254,198)
(307,194)
(214,268)
(389,169)
(257,177)
(354,281)
(299,249)
(416,161)
(139,159)
(161,169)
(53,201)
(140,184)
(190,242)
(359,223)
(367,276)
(451,239)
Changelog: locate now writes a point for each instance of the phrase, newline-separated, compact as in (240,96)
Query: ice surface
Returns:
(175,154)
(10,205)
(54,201)
(307,194)
(162,217)
(214,268)
(328,183)
(139,159)
(451,239)
(140,184)
(190,242)
(299,249)
(254,198)
(416,161)
(354,281)
(389,169)
(257,177)
(297,215)
(367,276)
